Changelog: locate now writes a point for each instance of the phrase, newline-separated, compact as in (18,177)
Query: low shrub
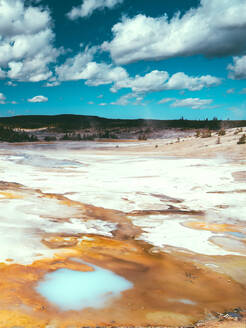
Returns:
(222,132)
(198,133)
(206,134)
(238,131)
(142,137)
(242,140)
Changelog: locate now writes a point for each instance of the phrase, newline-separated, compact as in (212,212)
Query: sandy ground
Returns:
(191,147)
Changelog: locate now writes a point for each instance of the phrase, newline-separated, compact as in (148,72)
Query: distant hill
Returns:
(76,122)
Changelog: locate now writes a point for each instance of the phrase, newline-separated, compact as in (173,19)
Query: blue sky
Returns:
(123,58)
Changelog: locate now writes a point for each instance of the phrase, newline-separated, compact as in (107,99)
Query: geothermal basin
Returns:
(94,235)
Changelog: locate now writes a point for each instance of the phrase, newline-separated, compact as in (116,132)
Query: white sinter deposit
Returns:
(123,182)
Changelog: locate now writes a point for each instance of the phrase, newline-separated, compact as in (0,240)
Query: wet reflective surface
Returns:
(77,290)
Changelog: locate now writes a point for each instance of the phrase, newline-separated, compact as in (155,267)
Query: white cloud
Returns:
(98,74)
(194,103)
(238,68)
(153,81)
(2,99)
(52,84)
(89,6)
(82,67)
(181,81)
(38,99)
(214,28)
(103,104)
(90,102)
(26,41)
(160,80)
(126,99)
(74,67)
(165,100)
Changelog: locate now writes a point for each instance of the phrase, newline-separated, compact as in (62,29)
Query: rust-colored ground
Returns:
(160,281)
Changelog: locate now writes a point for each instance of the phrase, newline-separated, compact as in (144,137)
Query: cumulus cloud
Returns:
(194,103)
(238,68)
(82,67)
(165,100)
(160,80)
(2,99)
(152,81)
(89,6)
(214,28)
(126,99)
(181,81)
(38,99)
(98,74)
(52,84)
(26,41)
(74,67)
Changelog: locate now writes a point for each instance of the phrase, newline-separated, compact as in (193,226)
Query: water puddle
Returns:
(76,290)
(237,234)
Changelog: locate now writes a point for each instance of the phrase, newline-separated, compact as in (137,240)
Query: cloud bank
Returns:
(160,80)
(215,28)
(83,67)
(194,103)
(26,42)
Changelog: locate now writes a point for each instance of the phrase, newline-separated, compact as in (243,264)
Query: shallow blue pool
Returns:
(237,234)
(76,290)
